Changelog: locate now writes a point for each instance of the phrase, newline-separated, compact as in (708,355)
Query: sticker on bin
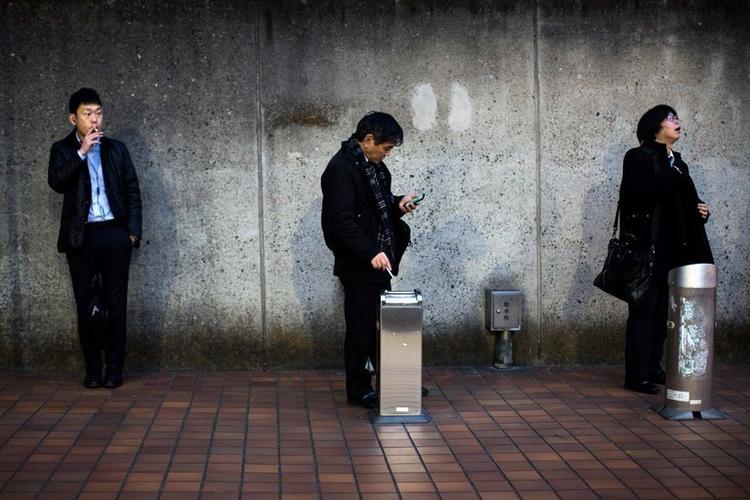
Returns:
(696,401)
(682,396)
(402,409)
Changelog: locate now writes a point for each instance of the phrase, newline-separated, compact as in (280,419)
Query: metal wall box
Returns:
(400,354)
(502,310)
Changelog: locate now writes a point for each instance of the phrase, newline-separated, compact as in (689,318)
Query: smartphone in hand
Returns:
(417,200)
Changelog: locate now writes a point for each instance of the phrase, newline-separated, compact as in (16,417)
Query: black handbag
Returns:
(628,268)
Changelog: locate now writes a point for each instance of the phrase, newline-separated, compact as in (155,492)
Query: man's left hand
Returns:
(406,205)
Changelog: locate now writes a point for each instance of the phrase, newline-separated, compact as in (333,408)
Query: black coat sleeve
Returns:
(340,210)
(63,170)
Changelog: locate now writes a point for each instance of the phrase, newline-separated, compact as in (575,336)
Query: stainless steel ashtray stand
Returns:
(399,377)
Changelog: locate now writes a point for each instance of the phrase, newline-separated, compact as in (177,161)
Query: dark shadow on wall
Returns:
(153,267)
(730,337)
(318,292)
(602,340)
(11,356)
(66,352)
(590,339)
(442,262)
(731,342)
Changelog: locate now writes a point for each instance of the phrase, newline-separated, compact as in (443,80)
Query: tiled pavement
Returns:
(531,433)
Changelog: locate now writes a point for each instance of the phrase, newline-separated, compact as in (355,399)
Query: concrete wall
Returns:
(516,115)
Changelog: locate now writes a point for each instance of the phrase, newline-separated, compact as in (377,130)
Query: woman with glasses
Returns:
(657,189)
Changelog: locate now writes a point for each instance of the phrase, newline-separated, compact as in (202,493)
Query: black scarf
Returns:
(383,197)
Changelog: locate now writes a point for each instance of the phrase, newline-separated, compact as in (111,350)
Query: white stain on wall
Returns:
(423,107)
(459,118)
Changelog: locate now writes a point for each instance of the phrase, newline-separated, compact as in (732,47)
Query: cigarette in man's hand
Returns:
(390,273)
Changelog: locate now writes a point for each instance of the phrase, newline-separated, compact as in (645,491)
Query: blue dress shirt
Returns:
(99,210)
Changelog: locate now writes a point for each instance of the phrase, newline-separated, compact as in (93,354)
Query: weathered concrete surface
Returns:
(8,191)
(315,90)
(178,81)
(499,102)
(601,66)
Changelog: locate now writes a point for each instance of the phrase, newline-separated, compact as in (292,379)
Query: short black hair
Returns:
(650,123)
(83,96)
(382,126)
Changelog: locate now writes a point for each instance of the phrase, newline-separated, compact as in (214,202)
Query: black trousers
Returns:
(645,335)
(106,249)
(361,305)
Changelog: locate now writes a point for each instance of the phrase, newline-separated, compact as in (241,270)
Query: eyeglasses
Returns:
(671,117)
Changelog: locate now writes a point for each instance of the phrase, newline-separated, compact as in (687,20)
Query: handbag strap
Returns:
(617,217)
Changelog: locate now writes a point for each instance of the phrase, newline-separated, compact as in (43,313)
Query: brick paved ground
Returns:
(537,433)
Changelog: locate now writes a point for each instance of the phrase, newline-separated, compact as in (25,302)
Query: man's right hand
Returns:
(381,262)
(92,137)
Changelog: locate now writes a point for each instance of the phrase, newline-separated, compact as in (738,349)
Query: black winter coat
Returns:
(350,220)
(647,182)
(69,175)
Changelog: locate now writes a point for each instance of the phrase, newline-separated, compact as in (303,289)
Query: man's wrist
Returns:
(81,155)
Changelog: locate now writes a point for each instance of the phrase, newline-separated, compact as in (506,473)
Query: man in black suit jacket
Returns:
(361,221)
(99,225)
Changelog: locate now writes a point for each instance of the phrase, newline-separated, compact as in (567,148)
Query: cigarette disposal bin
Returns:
(400,359)
(690,344)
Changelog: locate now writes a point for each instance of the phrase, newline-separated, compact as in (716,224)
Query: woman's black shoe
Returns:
(113,380)
(92,382)
(643,387)
(367,400)
(658,378)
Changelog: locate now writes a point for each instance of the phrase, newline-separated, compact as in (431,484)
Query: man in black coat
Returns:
(657,189)
(361,221)
(99,225)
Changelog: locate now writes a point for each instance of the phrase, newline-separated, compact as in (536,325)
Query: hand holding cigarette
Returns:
(92,137)
(381,262)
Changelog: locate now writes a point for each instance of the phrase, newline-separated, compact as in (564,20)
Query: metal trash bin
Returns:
(690,344)
(399,377)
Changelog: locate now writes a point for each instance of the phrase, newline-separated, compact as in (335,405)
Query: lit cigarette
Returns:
(390,273)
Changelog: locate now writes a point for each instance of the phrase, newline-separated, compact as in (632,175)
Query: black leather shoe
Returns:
(113,380)
(425,392)
(367,400)
(92,382)
(658,378)
(643,387)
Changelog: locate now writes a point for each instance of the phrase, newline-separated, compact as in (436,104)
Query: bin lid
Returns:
(693,276)
(399,297)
